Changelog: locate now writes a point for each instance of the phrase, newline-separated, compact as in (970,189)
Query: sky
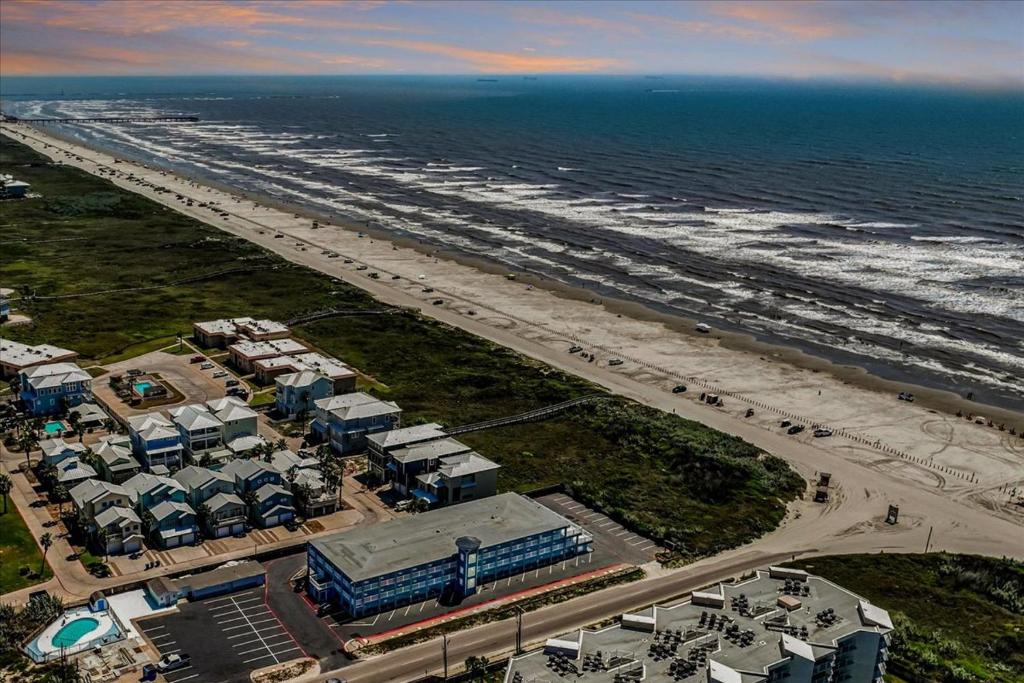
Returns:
(977,43)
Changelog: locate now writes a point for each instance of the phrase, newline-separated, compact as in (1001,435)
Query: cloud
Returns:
(489,61)
(133,17)
(708,28)
(798,19)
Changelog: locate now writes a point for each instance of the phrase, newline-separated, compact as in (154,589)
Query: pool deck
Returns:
(106,630)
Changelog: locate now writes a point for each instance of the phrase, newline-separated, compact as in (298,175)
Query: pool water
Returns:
(54,427)
(142,386)
(72,632)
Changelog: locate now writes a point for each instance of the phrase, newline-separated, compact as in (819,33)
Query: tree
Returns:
(6,485)
(61,493)
(90,458)
(26,442)
(251,501)
(110,425)
(148,523)
(48,474)
(206,460)
(476,667)
(203,516)
(75,420)
(46,540)
(101,540)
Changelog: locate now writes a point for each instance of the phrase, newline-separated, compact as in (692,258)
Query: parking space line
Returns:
(228,621)
(281,652)
(276,660)
(178,680)
(246,642)
(232,628)
(152,628)
(256,659)
(255,649)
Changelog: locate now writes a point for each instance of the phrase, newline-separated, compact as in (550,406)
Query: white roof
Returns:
(466,463)
(263,349)
(797,647)
(263,326)
(55,374)
(196,417)
(20,355)
(720,673)
(73,469)
(52,447)
(303,378)
(234,413)
(332,368)
(165,508)
(141,423)
(219,404)
(222,326)
(874,615)
(245,443)
(407,435)
(357,405)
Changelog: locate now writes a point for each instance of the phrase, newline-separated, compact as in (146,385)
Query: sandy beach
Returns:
(950,476)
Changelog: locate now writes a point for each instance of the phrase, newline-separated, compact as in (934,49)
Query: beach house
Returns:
(250,474)
(343,377)
(53,388)
(155,440)
(56,450)
(346,421)
(120,530)
(312,494)
(299,391)
(114,460)
(379,446)
(148,490)
(71,471)
(93,496)
(172,524)
(274,505)
(457,478)
(226,515)
(199,429)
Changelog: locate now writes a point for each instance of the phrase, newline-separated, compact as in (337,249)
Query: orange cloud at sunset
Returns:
(504,62)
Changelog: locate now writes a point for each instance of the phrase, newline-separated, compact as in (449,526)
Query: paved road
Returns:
(497,639)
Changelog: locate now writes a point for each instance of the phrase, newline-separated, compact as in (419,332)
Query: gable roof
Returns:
(219,404)
(144,482)
(55,374)
(193,477)
(267,491)
(356,406)
(221,499)
(167,508)
(117,514)
(195,417)
(396,438)
(246,468)
(91,489)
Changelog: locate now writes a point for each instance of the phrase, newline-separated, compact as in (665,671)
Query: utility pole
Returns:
(444,652)
(928,543)
(519,630)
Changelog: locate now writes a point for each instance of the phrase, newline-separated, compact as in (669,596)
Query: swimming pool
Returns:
(142,386)
(72,632)
(54,427)
(78,629)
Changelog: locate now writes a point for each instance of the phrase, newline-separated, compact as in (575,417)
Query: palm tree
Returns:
(110,425)
(148,523)
(90,458)
(476,667)
(75,420)
(26,442)
(6,485)
(203,516)
(48,474)
(101,541)
(46,540)
(61,493)
(251,501)
(206,460)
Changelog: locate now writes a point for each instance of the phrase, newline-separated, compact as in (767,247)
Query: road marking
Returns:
(252,599)
(276,660)
(406,613)
(256,659)
(228,621)
(178,680)
(246,642)
(210,602)
(640,541)
(622,533)
(170,652)
(153,628)
(608,523)
(281,652)
(255,649)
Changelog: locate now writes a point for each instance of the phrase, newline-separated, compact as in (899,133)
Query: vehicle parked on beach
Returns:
(615,361)
(795,429)
(821,432)
(206,366)
(575,349)
(906,396)
(679,389)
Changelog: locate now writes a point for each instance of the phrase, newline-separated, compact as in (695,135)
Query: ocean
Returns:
(875,226)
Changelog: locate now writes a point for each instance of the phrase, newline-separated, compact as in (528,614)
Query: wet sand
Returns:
(946,471)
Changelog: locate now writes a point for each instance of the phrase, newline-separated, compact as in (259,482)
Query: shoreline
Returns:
(862,376)
(944,473)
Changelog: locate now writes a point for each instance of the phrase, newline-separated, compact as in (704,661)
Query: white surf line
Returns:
(276,660)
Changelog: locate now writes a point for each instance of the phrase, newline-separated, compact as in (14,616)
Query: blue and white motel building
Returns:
(445,552)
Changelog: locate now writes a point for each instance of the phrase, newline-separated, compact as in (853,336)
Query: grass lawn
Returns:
(18,549)
(662,475)
(957,617)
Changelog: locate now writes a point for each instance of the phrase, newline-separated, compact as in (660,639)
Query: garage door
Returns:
(223,531)
(171,542)
(188,539)
(133,546)
(271,521)
(238,528)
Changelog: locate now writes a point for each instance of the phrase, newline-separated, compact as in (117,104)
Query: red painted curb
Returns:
(384,635)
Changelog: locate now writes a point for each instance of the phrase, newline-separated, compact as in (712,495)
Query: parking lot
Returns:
(226,637)
(627,546)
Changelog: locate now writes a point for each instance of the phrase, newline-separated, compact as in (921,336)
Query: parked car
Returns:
(206,366)
(361,267)
(403,505)
(615,361)
(795,429)
(906,396)
(785,423)
(679,389)
(173,662)
(291,525)
(575,349)
(220,373)
(197,359)
(821,431)
(134,372)
(231,383)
